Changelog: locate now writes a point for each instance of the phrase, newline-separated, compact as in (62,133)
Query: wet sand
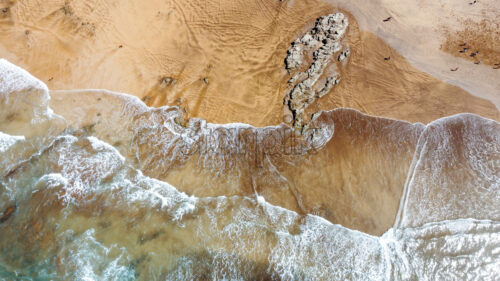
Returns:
(76,201)
(396,89)
(224,62)
(98,185)
(355,179)
(418,29)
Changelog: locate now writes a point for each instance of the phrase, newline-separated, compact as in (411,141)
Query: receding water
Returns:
(82,199)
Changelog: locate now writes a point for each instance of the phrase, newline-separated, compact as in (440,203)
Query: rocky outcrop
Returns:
(319,45)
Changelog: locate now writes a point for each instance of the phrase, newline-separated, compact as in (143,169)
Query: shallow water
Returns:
(105,188)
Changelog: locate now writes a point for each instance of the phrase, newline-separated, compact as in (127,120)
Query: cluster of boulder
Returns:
(318,45)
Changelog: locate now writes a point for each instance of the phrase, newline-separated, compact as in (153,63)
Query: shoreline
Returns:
(404,32)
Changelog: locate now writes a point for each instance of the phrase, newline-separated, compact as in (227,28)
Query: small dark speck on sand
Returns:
(146,237)
(105,224)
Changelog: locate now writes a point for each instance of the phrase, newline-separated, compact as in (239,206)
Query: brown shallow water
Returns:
(340,182)
(83,193)
(97,185)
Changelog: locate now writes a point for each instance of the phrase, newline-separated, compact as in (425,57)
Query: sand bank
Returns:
(224,62)
(418,29)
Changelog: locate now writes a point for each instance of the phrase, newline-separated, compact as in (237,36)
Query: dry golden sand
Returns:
(223,61)
(219,61)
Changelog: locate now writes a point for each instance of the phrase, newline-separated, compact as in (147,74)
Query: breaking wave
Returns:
(100,187)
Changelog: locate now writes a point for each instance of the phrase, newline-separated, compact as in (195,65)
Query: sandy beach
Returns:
(249,140)
(224,62)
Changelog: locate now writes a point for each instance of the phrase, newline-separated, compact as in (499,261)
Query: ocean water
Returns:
(87,200)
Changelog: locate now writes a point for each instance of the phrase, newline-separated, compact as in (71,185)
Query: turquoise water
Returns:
(74,207)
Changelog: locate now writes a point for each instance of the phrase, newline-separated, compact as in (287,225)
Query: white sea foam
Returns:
(455,172)
(6,141)
(316,250)
(24,103)
(87,259)
(231,238)
(14,80)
